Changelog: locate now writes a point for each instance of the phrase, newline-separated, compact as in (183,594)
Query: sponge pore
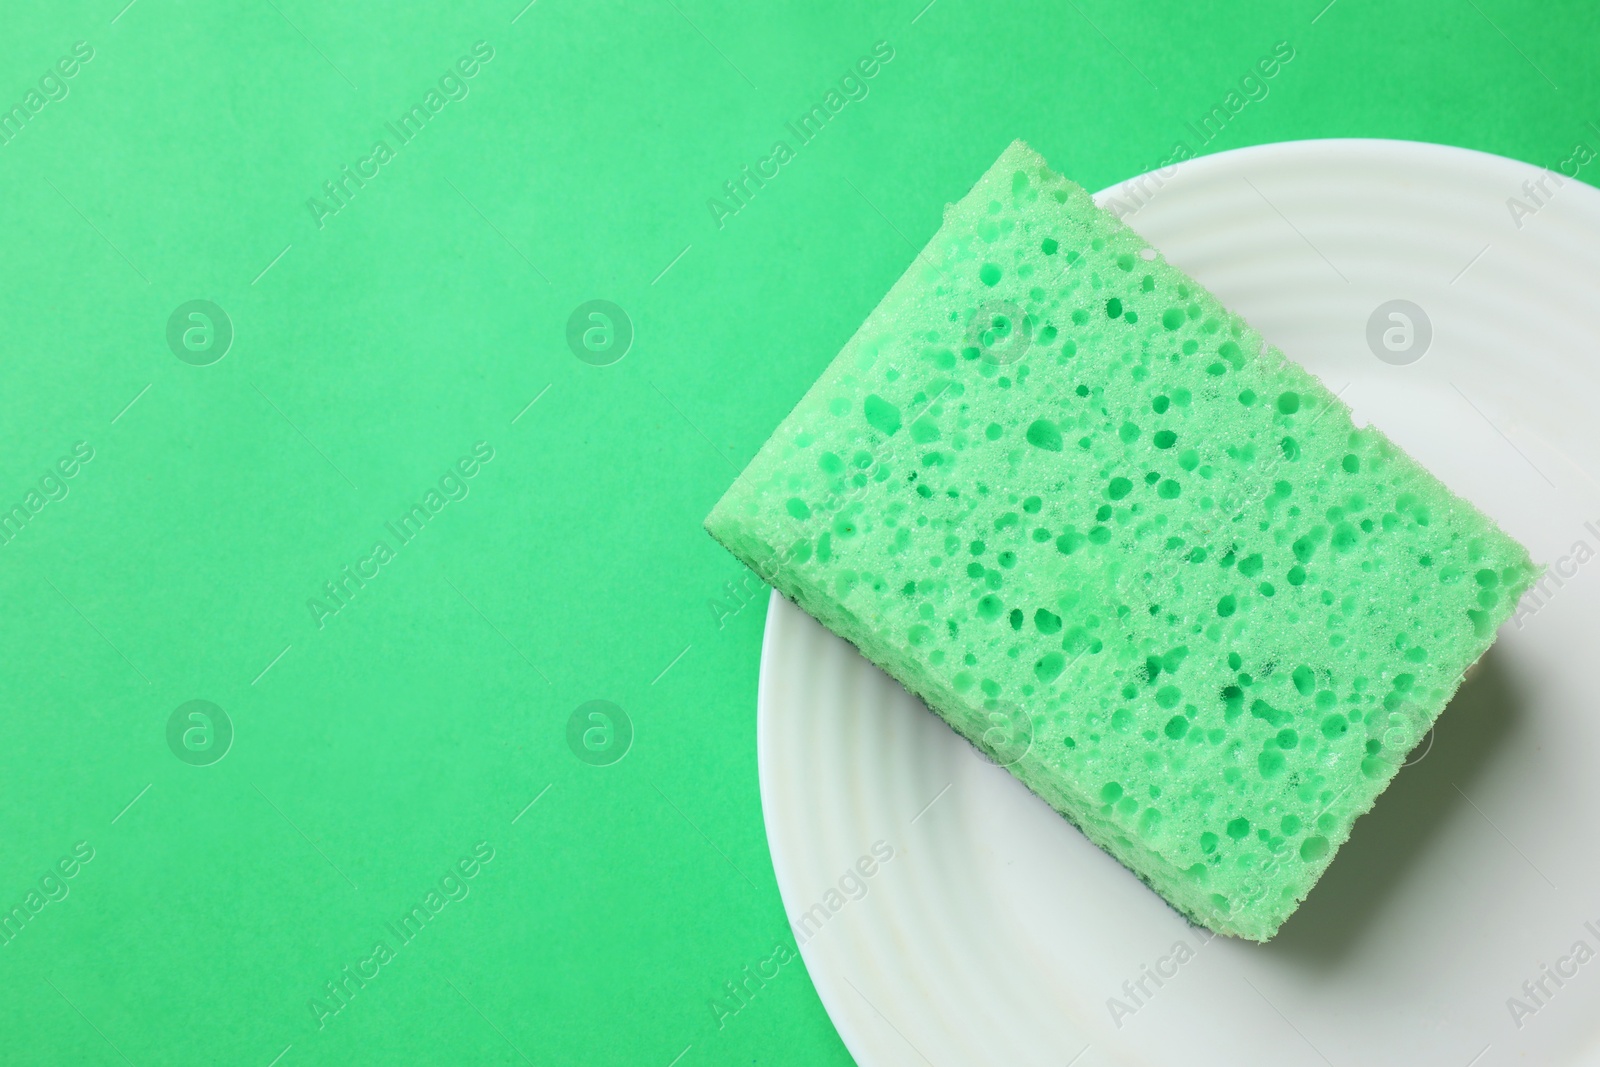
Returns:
(1126,548)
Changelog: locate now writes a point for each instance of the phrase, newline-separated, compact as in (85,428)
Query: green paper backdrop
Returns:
(388,503)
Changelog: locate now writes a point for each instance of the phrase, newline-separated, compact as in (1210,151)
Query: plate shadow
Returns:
(1385,843)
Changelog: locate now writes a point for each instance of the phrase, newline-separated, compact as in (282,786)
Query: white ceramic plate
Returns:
(998,934)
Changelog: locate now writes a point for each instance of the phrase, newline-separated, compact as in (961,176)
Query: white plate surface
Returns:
(998,934)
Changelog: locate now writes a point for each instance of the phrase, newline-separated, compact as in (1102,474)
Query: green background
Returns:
(371,352)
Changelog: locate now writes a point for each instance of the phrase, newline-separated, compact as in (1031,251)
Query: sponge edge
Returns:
(1126,548)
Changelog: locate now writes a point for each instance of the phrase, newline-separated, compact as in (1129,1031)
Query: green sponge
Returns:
(1124,546)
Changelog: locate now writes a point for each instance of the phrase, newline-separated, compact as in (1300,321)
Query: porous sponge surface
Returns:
(1114,538)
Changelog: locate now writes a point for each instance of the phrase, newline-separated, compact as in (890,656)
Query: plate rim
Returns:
(1393,152)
